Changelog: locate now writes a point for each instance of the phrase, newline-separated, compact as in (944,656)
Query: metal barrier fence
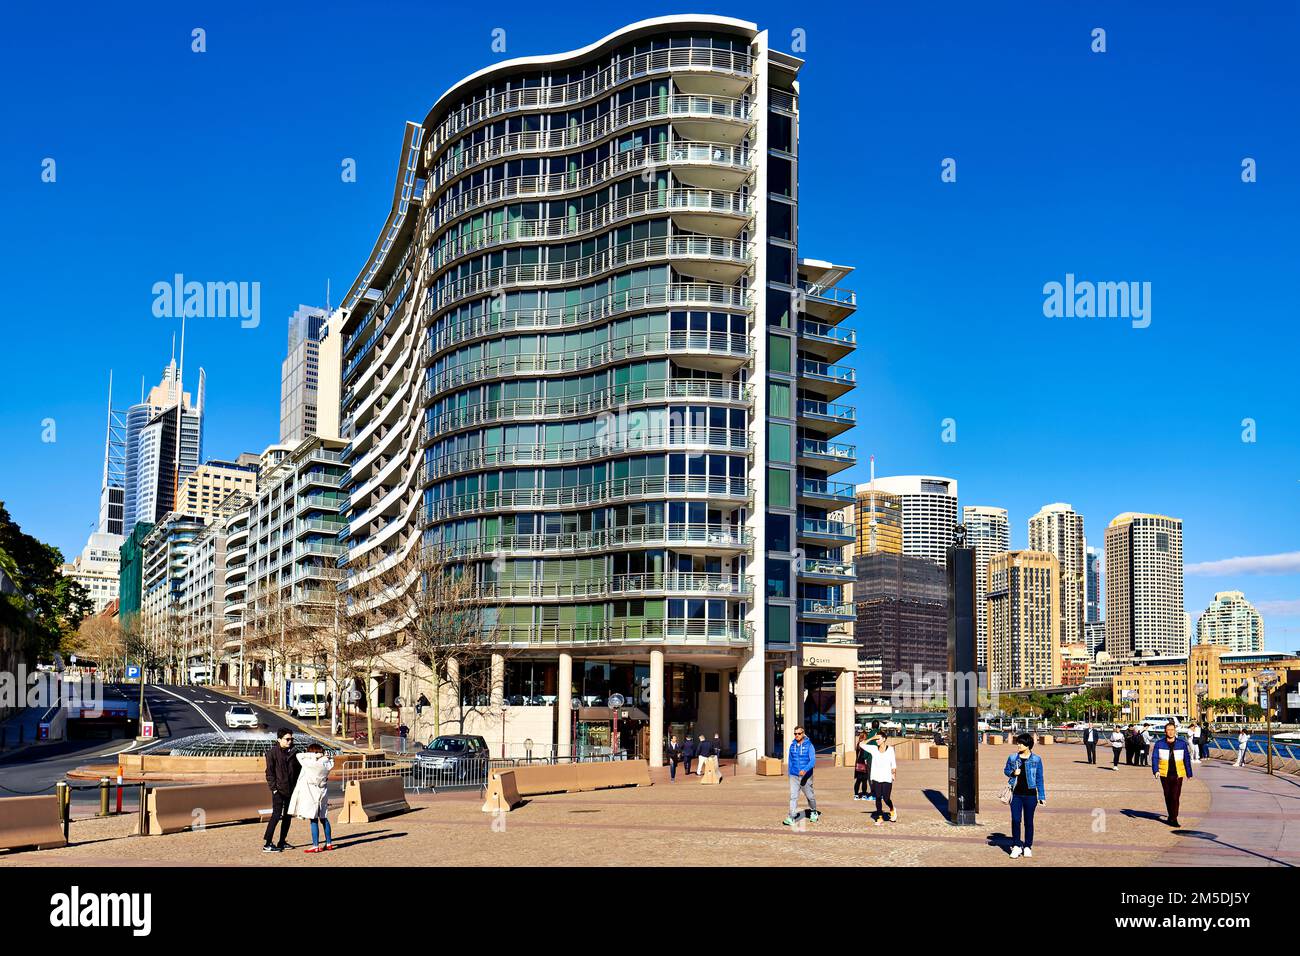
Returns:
(453,773)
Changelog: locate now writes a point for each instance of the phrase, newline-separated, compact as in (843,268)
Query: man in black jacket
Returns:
(1090,742)
(703,751)
(674,754)
(281,775)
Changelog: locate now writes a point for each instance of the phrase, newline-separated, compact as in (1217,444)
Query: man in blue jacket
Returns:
(802,759)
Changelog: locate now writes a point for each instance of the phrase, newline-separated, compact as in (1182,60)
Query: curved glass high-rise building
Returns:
(585,358)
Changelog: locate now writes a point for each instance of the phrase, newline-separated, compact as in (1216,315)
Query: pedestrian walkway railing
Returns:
(438,774)
(1286,755)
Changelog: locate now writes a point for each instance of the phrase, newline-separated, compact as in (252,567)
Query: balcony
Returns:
(827,303)
(829,456)
(815,609)
(682,631)
(825,531)
(830,381)
(825,494)
(694,585)
(823,571)
(826,417)
(829,343)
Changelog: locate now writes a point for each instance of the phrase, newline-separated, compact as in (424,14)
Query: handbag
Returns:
(1009,789)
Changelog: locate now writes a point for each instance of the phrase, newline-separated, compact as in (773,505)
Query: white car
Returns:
(241,715)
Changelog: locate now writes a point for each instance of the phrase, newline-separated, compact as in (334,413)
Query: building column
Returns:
(656,708)
(453,702)
(845,716)
(498,691)
(724,708)
(563,710)
(752,694)
(792,704)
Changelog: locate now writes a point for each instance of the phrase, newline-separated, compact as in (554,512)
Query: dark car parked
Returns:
(462,758)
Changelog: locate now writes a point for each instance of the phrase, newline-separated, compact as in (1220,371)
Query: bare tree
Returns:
(100,639)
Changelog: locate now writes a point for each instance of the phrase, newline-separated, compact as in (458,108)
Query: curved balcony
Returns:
(623,585)
(678,295)
(707,165)
(724,492)
(695,69)
(703,257)
(830,381)
(713,351)
(617,442)
(698,538)
(459,417)
(702,118)
(670,631)
(828,456)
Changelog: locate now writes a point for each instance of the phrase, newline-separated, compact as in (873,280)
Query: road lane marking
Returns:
(212,723)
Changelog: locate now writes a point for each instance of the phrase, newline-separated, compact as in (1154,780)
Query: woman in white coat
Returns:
(310,800)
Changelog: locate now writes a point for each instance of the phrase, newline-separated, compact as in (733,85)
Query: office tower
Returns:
(97,567)
(902,621)
(988,532)
(209,485)
(585,348)
(1024,611)
(878,518)
(1094,637)
(1058,529)
(112,488)
(152,471)
(929,506)
(1144,586)
(1232,621)
(300,373)
(1092,562)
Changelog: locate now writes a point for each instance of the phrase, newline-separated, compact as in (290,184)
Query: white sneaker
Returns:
(1028,852)
(1016,852)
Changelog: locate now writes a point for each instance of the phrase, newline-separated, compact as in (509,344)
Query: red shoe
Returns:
(312,849)
(329,846)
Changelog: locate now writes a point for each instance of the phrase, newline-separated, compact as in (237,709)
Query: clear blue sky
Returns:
(1117,166)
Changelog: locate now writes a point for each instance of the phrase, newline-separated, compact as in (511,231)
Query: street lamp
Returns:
(1268,679)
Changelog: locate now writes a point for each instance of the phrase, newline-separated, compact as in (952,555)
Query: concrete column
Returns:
(451,715)
(792,711)
(752,698)
(724,707)
(498,681)
(845,718)
(769,702)
(656,708)
(563,712)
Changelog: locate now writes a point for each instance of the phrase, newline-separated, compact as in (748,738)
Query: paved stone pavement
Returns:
(1253,816)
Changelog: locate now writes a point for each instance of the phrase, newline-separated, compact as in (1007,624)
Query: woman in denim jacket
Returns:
(1024,771)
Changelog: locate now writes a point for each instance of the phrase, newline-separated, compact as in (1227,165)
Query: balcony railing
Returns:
(827,449)
(443,509)
(825,608)
(839,569)
(671,630)
(828,294)
(837,373)
(816,409)
(821,330)
(839,490)
(824,527)
(710,585)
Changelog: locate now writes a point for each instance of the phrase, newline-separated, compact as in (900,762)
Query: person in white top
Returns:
(1117,745)
(1194,742)
(1243,739)
(310,800)
(884,767)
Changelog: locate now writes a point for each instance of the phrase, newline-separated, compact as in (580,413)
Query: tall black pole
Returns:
(963,684)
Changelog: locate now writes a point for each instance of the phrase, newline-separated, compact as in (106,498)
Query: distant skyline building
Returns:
(901,608)
(300,374)
(1024,602)
(929,508)
(1144,586)
(1093,596)
(96,568)
(203,492)
(148,448)
(989,533)
(1094,637)
(1058,529)
(1233,622)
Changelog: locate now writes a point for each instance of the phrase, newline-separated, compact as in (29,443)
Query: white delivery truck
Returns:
(307,698)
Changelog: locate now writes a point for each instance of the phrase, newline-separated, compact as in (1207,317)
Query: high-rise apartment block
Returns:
(929,510)
(989,533)
(1144,586)
(1058,529)
(1024,620)
(1232,621)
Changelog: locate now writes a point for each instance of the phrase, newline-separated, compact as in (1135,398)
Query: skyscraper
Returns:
(1232,621)
(586,359)
(929,506)
(152,470)
(1058,529)
(1144,586)
(300,375)
(1024,620)
(1092,562)
(988,532)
